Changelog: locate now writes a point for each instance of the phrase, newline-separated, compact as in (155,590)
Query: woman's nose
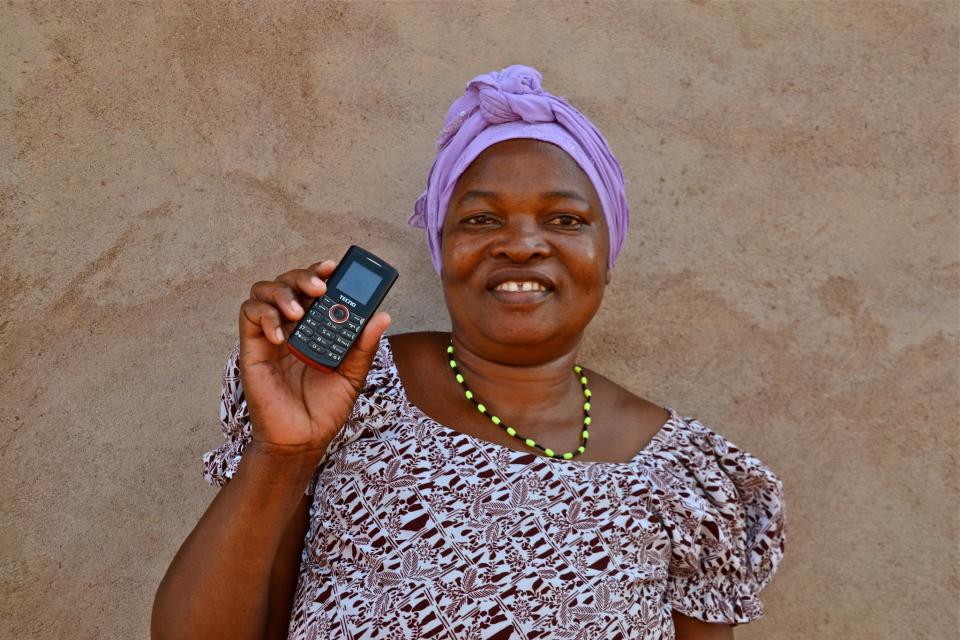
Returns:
(520,241)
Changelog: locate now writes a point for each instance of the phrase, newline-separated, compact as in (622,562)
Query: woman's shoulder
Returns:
(623,398)
(415,356)
(399,347)
(635,419)
(415,351)
(416,340)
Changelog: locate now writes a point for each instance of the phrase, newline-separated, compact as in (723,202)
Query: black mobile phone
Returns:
(332,323)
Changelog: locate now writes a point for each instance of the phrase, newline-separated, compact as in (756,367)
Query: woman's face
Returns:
(523,216)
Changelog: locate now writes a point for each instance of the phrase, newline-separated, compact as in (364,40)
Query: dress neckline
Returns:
(659,439)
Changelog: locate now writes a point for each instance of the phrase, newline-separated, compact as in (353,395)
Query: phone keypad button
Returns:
(338,314)
(326,337)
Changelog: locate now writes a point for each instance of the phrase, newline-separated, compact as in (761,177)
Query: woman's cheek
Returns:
(460,257)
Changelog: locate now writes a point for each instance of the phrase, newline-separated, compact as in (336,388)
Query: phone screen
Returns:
(359,283)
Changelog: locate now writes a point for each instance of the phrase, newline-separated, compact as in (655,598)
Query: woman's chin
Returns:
(517,318)
(517,330)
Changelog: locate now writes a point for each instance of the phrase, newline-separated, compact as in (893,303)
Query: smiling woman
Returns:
(478,483)
(523,216)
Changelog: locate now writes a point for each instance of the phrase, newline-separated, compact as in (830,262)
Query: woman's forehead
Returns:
(522,165)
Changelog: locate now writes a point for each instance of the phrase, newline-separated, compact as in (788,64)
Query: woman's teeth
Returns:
(520,286)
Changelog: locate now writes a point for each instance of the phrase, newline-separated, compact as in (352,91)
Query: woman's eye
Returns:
(566,220)
(479,219)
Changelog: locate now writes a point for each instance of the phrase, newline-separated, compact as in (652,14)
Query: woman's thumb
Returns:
(360,357)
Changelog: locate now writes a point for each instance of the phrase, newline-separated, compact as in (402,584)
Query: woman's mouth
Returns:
(520,291)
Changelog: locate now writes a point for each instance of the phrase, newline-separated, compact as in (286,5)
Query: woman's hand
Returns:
(294,408)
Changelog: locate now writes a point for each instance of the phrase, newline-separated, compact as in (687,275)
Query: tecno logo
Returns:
(347,300)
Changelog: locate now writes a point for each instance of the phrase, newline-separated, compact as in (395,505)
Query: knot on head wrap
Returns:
(506,104)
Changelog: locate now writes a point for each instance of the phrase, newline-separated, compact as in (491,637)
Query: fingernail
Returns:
(296,306)
(279,333)
(315,281)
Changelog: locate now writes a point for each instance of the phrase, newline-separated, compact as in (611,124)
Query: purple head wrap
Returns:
(507,104)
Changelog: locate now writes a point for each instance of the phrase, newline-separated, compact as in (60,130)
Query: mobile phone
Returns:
(331,325)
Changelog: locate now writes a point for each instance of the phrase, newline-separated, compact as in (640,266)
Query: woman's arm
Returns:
(236,573)
(692,629)
(232,576)
(286,572)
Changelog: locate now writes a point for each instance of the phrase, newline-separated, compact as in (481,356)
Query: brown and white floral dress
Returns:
(419,531)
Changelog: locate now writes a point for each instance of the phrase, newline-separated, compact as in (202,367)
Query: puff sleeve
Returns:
(725,512)
(220,463)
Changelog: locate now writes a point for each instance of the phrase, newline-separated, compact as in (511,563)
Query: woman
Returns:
(478,483)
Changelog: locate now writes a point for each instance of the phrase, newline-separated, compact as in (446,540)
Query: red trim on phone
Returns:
(307,360)
(338,306)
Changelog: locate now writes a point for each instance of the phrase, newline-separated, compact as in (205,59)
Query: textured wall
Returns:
(791,277)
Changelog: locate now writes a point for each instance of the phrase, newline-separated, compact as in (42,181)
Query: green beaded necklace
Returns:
(513,432)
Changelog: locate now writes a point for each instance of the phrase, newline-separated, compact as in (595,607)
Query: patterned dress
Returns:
(419,531)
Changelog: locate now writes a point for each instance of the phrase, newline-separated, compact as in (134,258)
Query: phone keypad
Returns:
(323,335)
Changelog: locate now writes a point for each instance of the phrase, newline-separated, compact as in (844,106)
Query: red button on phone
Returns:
(338,313)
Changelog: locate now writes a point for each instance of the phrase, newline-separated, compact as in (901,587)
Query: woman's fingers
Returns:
(324,268)
(261,318)
(305,284)
(279,295)
(272,303)
(298,277)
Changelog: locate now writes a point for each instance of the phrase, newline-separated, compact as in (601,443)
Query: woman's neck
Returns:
(540,384)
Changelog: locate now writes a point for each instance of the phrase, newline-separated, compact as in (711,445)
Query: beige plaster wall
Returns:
(791,277)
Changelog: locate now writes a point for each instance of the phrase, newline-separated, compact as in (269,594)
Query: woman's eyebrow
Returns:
(490,195)
(572,195)
(474,193)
